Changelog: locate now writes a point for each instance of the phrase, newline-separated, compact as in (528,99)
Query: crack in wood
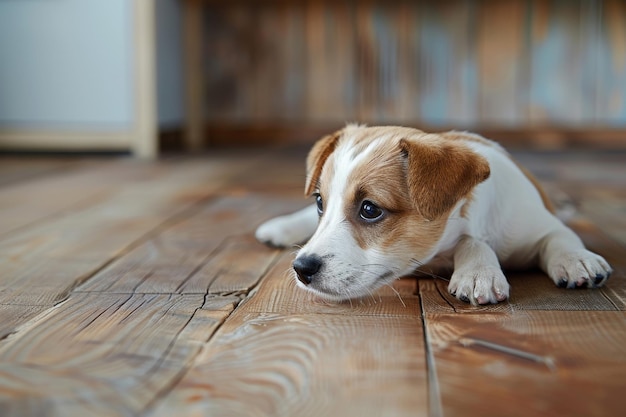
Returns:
(200,265)
(178,376)
(445,298)
(435,407)
(546,360)
(175,380)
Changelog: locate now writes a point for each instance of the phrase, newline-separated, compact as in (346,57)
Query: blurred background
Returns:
(143,75)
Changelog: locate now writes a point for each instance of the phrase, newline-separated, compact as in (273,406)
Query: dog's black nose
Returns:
(306,267)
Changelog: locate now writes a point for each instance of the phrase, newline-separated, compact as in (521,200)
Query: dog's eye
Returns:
(370,211)
(320,204)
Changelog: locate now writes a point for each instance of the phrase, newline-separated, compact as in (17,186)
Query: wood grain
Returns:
(57,192)
(320,364)
(43,263)
(100,354)
(192,254)
(87,188)
(285,354)
(151,297)
(533,362)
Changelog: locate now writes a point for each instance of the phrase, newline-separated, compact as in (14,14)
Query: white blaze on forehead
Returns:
(346,160)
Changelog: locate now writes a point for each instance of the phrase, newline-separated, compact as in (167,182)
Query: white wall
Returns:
(80,74)
(66,64)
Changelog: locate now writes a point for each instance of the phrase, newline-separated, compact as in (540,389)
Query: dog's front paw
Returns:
(578,269)
(280,232)
(482,285)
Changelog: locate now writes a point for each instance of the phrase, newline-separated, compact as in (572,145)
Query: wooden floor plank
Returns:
(189,256)
(50,196)
(100,354)
(130,332)
(536,353)
(292,355)
(124,297)
(43,263)
(15,169)
(27,203)
(539,363)
(307,365)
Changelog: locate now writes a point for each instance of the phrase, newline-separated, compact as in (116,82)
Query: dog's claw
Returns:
(599,278)
(500,296)
(482,300)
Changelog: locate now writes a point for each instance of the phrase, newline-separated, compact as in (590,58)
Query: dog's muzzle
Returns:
(306,267)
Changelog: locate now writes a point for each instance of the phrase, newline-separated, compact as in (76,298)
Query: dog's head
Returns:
(384,197)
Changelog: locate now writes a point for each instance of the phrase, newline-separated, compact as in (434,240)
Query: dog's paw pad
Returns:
(483,285)
(579,269)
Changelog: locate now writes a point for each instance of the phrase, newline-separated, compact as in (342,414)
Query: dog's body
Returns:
(393,200)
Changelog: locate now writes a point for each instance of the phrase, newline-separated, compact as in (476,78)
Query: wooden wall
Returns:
(518,64)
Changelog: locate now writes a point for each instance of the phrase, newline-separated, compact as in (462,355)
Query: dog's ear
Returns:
(440,172)
(317,158)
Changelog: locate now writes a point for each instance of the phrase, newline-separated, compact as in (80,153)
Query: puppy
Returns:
(392,200)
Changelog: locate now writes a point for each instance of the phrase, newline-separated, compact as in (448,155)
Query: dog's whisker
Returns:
(371,295)
(418,266)
(295,249)
(397,293)
(433,275)
(287,272)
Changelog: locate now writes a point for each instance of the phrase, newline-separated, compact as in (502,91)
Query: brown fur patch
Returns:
(316,159)
(440,173)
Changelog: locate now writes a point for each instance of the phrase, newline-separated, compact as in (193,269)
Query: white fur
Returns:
(507,225)
(290,229)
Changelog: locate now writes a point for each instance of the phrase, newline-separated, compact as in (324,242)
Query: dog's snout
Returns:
(306,267)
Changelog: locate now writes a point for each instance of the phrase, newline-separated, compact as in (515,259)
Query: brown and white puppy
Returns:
(392,200)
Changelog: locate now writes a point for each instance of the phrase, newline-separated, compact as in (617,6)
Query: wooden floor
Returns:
(136,288)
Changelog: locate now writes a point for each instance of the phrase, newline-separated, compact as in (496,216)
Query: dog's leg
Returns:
(290,229)
(477,276)
(564,258)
